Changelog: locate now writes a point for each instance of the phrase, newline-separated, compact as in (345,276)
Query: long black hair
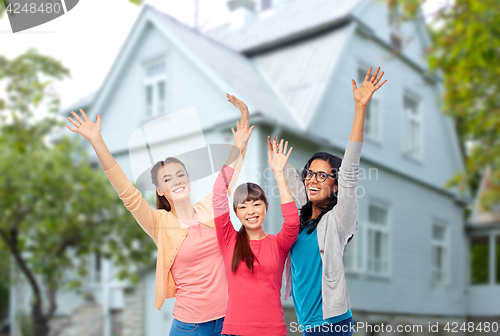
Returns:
(242,251)
(306,211)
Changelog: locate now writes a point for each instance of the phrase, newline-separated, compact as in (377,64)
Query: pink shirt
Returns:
(254,306)
(199,276)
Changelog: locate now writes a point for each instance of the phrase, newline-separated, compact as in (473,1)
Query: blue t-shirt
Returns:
(307,272)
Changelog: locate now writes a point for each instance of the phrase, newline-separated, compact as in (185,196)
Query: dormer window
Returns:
(396,41)
(155,88)
(265,5)
(395,37)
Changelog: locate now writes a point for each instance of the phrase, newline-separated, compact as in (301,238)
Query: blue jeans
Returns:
(341,328)
(213,328)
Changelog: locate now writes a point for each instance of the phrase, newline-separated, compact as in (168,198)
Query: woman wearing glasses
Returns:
(328,220)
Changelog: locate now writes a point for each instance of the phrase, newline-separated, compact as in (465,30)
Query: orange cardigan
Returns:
(161,225)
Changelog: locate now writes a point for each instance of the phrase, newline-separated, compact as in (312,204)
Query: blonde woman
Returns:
(189,265)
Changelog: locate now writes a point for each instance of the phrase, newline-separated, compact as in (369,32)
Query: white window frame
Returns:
(372,120)
(385,232)
(491,236)
(353,259)
(410,118)
(153,81)
(445,246)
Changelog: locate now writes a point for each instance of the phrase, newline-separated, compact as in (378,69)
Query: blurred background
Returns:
(427,249)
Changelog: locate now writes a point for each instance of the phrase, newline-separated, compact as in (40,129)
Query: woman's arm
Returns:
(362,96)
(345,211)
(92,132)
(224,229)
(237,154)
(278,158)
(244,124)
(131,197)
(293,180)
(346,208)
(223,226)
(241,137)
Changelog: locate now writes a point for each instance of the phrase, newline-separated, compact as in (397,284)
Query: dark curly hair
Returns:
(306,211)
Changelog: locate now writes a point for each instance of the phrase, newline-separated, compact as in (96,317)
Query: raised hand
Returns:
(242,133)
(278,156)
(270,143)
(364,93)
(85,127)
(239,105)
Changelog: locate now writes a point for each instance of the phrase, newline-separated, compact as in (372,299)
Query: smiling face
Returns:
(251,213)
(177,182)
(320,192)
(250,205)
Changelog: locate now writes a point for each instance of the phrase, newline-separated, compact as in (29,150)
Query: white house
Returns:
(292,63)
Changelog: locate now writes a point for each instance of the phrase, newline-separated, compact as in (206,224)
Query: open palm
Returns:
(242,133)
(85,127)
(364,93)
(278,156)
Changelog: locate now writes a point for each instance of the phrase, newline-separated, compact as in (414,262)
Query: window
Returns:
(439,253)
(372,110)
(479,260)
(352,253)
(155,88)
(377,233)
(413,127)
(395,37)
(485,259)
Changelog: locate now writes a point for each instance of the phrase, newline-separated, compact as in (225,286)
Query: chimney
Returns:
(242,12)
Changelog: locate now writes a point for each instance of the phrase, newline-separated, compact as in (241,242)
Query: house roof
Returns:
(300,73)
(481,217)
(278,84)
(230,70)
(282,85)
(234,69)
(291,21)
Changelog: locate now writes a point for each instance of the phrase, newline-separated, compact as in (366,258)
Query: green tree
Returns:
(4,284)
(56,208)
(466,51)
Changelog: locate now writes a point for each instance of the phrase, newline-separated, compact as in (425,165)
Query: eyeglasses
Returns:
(320,176)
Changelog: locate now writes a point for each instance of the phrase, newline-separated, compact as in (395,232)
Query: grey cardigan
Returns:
(334,229)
